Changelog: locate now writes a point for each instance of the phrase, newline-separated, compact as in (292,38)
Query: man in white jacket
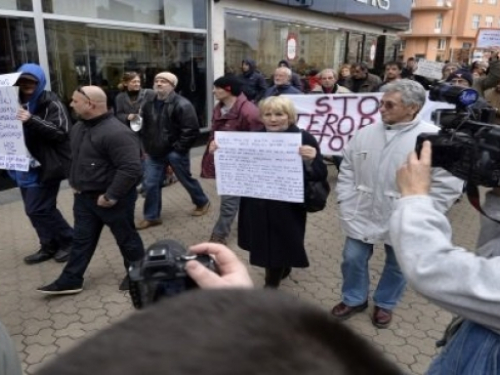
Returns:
(463,282)
(367,193)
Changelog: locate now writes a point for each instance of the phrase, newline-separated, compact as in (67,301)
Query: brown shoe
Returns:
(217,239)
(144,224)
(344,312)
(381,318)
(202,210)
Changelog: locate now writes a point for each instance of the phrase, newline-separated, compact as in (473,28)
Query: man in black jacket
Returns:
(45,124)
(169,129)
(104,173)
(254,83)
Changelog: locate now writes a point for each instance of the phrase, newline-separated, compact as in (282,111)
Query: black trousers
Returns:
(40,205)
(89,222)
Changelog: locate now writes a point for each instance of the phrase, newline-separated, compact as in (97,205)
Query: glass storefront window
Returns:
(25,5)
(185,13)
(83,54)
(266,41)
(18,43)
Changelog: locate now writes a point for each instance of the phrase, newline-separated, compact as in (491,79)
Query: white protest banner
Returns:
(260,165)
(488,38)
(13,152)
(9,79)
(333,119)
(429,69)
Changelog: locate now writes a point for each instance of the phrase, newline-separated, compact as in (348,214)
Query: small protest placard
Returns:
(488,38)
(429,69)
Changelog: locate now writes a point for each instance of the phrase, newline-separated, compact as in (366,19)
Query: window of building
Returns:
(466,45)
(439,22)
(476,21)
(87,54)
(488,20)
(493,2)
(25,5)
(265,41)
(186,13)
(478,1)
(402,45)
(441,44)
(18,43)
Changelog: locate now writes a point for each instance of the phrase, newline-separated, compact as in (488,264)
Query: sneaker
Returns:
(62,255)
(45,253)
(202,210)
(144,224)
(125,284)
(59,289)
(217,239)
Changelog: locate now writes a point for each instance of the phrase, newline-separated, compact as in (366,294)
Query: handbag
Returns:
(315,195)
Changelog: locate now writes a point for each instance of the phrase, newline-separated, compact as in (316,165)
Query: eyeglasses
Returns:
(387,105)
(80,90)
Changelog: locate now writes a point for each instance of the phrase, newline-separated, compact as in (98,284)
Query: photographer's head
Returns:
(225,332)
(402,101)
(461,77)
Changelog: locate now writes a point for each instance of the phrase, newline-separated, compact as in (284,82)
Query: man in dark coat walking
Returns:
(254,83)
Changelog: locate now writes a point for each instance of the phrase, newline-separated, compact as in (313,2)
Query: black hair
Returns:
(226,332)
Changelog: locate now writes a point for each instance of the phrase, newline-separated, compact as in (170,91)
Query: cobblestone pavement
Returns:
(44,327)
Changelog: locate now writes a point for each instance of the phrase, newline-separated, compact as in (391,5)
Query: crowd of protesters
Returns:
(107,154)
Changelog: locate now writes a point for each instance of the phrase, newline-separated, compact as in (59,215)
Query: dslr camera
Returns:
(468,143)
(162,272)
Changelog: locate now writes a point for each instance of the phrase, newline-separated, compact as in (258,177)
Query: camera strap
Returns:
(473,196)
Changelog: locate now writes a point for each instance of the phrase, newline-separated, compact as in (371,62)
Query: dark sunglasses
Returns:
(79,89)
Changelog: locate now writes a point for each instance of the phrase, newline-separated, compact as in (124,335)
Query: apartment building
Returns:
(444,30)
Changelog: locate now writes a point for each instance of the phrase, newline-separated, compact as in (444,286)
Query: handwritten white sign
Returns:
(9,79)
(334,119)
(430,69)
(13,152)
(488,38)
(260,165)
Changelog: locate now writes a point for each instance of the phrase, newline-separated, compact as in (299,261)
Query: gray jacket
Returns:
(9,361)
(366,188)
(458,280)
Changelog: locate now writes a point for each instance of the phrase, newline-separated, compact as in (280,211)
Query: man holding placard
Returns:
(45,127)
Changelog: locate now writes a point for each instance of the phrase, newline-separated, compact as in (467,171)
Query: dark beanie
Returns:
(230,83)
(461,73)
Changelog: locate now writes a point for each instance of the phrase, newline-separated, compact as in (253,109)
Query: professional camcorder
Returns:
(468,143)
(162,272)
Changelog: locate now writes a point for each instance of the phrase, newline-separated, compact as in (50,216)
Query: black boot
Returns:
(273,277)
(45,253)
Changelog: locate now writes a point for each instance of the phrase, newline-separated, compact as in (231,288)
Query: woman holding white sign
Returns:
(273,231)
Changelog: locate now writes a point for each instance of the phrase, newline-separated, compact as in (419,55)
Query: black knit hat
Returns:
(230,83)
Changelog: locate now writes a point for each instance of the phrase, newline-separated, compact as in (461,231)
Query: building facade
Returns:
(445,30)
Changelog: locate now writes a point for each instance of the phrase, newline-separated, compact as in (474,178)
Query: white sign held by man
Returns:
(334,119)
(259,165)
(488,38)
(429,69)
(13,152)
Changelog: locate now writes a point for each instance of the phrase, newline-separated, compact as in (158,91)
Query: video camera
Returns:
(468,143)
(162,272)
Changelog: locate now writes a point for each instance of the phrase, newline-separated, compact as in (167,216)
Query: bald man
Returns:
(105,170)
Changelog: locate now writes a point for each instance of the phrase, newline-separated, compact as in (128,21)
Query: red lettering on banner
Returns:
(362,106)
(322,102)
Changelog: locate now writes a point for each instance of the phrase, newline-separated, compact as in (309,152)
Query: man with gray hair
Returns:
(328,84)
(367,193)
(282,78)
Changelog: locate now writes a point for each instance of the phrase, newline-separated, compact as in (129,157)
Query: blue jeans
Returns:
(155,175)
(473,350)
(89,221)
(355,272)
(229,205)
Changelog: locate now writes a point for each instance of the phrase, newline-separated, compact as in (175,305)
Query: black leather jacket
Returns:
(174,127)
(46,137)
(106,157)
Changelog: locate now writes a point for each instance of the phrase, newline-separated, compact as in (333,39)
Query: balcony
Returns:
(440,6)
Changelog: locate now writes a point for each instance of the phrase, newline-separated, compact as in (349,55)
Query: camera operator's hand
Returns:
(233,273)
(414,177)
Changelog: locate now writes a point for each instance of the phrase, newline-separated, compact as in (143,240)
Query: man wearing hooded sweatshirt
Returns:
(254,83)
(45,125)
